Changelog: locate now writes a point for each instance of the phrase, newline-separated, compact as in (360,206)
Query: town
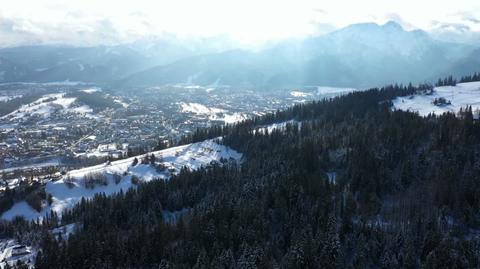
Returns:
(72,125)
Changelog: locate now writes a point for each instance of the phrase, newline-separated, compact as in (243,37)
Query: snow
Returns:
(332,177)
(62,101)
(193,87)
(84,110)
(333,90)
(64,83)
(199,109)
(39,107)
(46,105)
(20,209)
(107,147)
(460,96)
(64,231)
(235,117)
(6,253)
(125,105)
(103,150)
(275,126)
(299,94)
(214,114)
(191,156)
(90,90)
(229,118)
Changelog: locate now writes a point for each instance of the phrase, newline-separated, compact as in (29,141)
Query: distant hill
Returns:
(90,64)
(10,71)
(359,55)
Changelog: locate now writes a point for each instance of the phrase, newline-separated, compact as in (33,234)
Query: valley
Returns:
(111,166)
(52,128)
(239,134)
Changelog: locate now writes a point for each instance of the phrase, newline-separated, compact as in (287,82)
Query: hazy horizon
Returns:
(245,23)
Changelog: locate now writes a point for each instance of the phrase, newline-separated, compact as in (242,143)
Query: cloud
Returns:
(450,26)
(90,22)
(21,31)
(455,32)
(398,19)
(17,32)
(457,27)
(469,17)
(320,11)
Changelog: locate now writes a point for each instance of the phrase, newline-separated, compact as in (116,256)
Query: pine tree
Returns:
(202,260)
(331,254)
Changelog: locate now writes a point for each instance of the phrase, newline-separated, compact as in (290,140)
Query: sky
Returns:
(93,22)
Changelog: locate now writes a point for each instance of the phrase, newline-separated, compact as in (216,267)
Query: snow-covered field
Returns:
(322,90)
(199,109)
(229,118)
(121,102)
(91,90)
(299,94)
(213,113)
(47,105)
(191,156)
(460,96)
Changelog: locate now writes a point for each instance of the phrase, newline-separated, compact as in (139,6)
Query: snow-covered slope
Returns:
(46,105)
(460,96)
(280,126)
(91,90)
(212,113)
(200,109)
(64,195)
(11,252)
(299,94)
(334,90)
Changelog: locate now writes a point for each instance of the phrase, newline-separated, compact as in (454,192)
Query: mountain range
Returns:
(359,55)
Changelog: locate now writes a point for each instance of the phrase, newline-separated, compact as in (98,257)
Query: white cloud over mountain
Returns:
(89,22)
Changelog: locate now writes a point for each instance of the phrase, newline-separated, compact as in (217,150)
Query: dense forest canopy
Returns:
(348,183)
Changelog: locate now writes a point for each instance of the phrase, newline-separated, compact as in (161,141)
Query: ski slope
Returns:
(191,156)
(460,96)
(47,105)
(212,113)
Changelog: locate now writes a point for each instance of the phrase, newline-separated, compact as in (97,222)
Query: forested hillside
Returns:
(349,183)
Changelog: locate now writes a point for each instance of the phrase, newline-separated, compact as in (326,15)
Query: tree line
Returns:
(405,194)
